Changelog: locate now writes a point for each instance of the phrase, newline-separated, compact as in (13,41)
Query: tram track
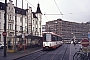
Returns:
(32,56)
(37,55)
(62,55)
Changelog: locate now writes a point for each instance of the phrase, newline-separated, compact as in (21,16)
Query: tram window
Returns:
(56,38)
(60,38)
(48,37)
(53,38)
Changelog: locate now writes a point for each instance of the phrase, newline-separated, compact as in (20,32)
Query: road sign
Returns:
(4,33)
(85,42)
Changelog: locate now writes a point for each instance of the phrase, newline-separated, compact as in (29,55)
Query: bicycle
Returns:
(80,55)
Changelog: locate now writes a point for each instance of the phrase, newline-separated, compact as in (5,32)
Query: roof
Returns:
(50,33)
(29,37)
(20,11)
(38,9)
(34,16)
(17,10)
(2,6)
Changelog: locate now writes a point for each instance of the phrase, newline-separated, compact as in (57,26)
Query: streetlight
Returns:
(5,18)
(15,26)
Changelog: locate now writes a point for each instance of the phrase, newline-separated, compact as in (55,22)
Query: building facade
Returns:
(43,28)
(24,19)
(67,29)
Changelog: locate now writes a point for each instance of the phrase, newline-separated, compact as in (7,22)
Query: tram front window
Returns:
(47,37)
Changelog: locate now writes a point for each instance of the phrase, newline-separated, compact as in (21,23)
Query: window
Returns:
(36,29)
(48,37)
(20,28)
(10,16)
(36,22)
(25,20)
(40,30)
(17,11)
(21,19)
(10,27)
(0,15)
(33,21)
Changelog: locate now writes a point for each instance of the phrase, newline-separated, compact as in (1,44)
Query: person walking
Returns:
(74,44)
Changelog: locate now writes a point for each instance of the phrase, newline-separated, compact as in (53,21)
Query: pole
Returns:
(5,18)
(27,18)
(27,23)
(31,24)
(22,19)
(15,26)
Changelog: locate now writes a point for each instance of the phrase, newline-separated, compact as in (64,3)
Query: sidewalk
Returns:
(12,56)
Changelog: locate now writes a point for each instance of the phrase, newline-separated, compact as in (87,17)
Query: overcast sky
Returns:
(73,10)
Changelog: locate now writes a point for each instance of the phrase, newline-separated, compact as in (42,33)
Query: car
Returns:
(79,42)
(1,46)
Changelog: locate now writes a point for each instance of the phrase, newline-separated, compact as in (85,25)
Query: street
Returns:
(1,52)
(64,52)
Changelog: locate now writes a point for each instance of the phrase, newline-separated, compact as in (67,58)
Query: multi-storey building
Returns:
(26,20)
(67,29)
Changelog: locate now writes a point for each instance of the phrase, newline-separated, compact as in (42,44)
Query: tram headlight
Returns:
(43,45)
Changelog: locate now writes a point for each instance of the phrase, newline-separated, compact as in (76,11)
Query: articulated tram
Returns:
(51,40)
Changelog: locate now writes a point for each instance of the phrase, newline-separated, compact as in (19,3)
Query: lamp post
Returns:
(31,24)
(22,19)
(5,18)
(15,26)
(27,23)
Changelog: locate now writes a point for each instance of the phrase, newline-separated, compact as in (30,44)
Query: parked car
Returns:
(1,46)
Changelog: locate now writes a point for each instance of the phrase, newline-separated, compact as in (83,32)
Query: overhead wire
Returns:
(30,3)
(58,7)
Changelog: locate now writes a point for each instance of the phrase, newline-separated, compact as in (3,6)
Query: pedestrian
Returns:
(74,44)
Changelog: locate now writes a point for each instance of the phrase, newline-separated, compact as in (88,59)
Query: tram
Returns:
(51,40)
